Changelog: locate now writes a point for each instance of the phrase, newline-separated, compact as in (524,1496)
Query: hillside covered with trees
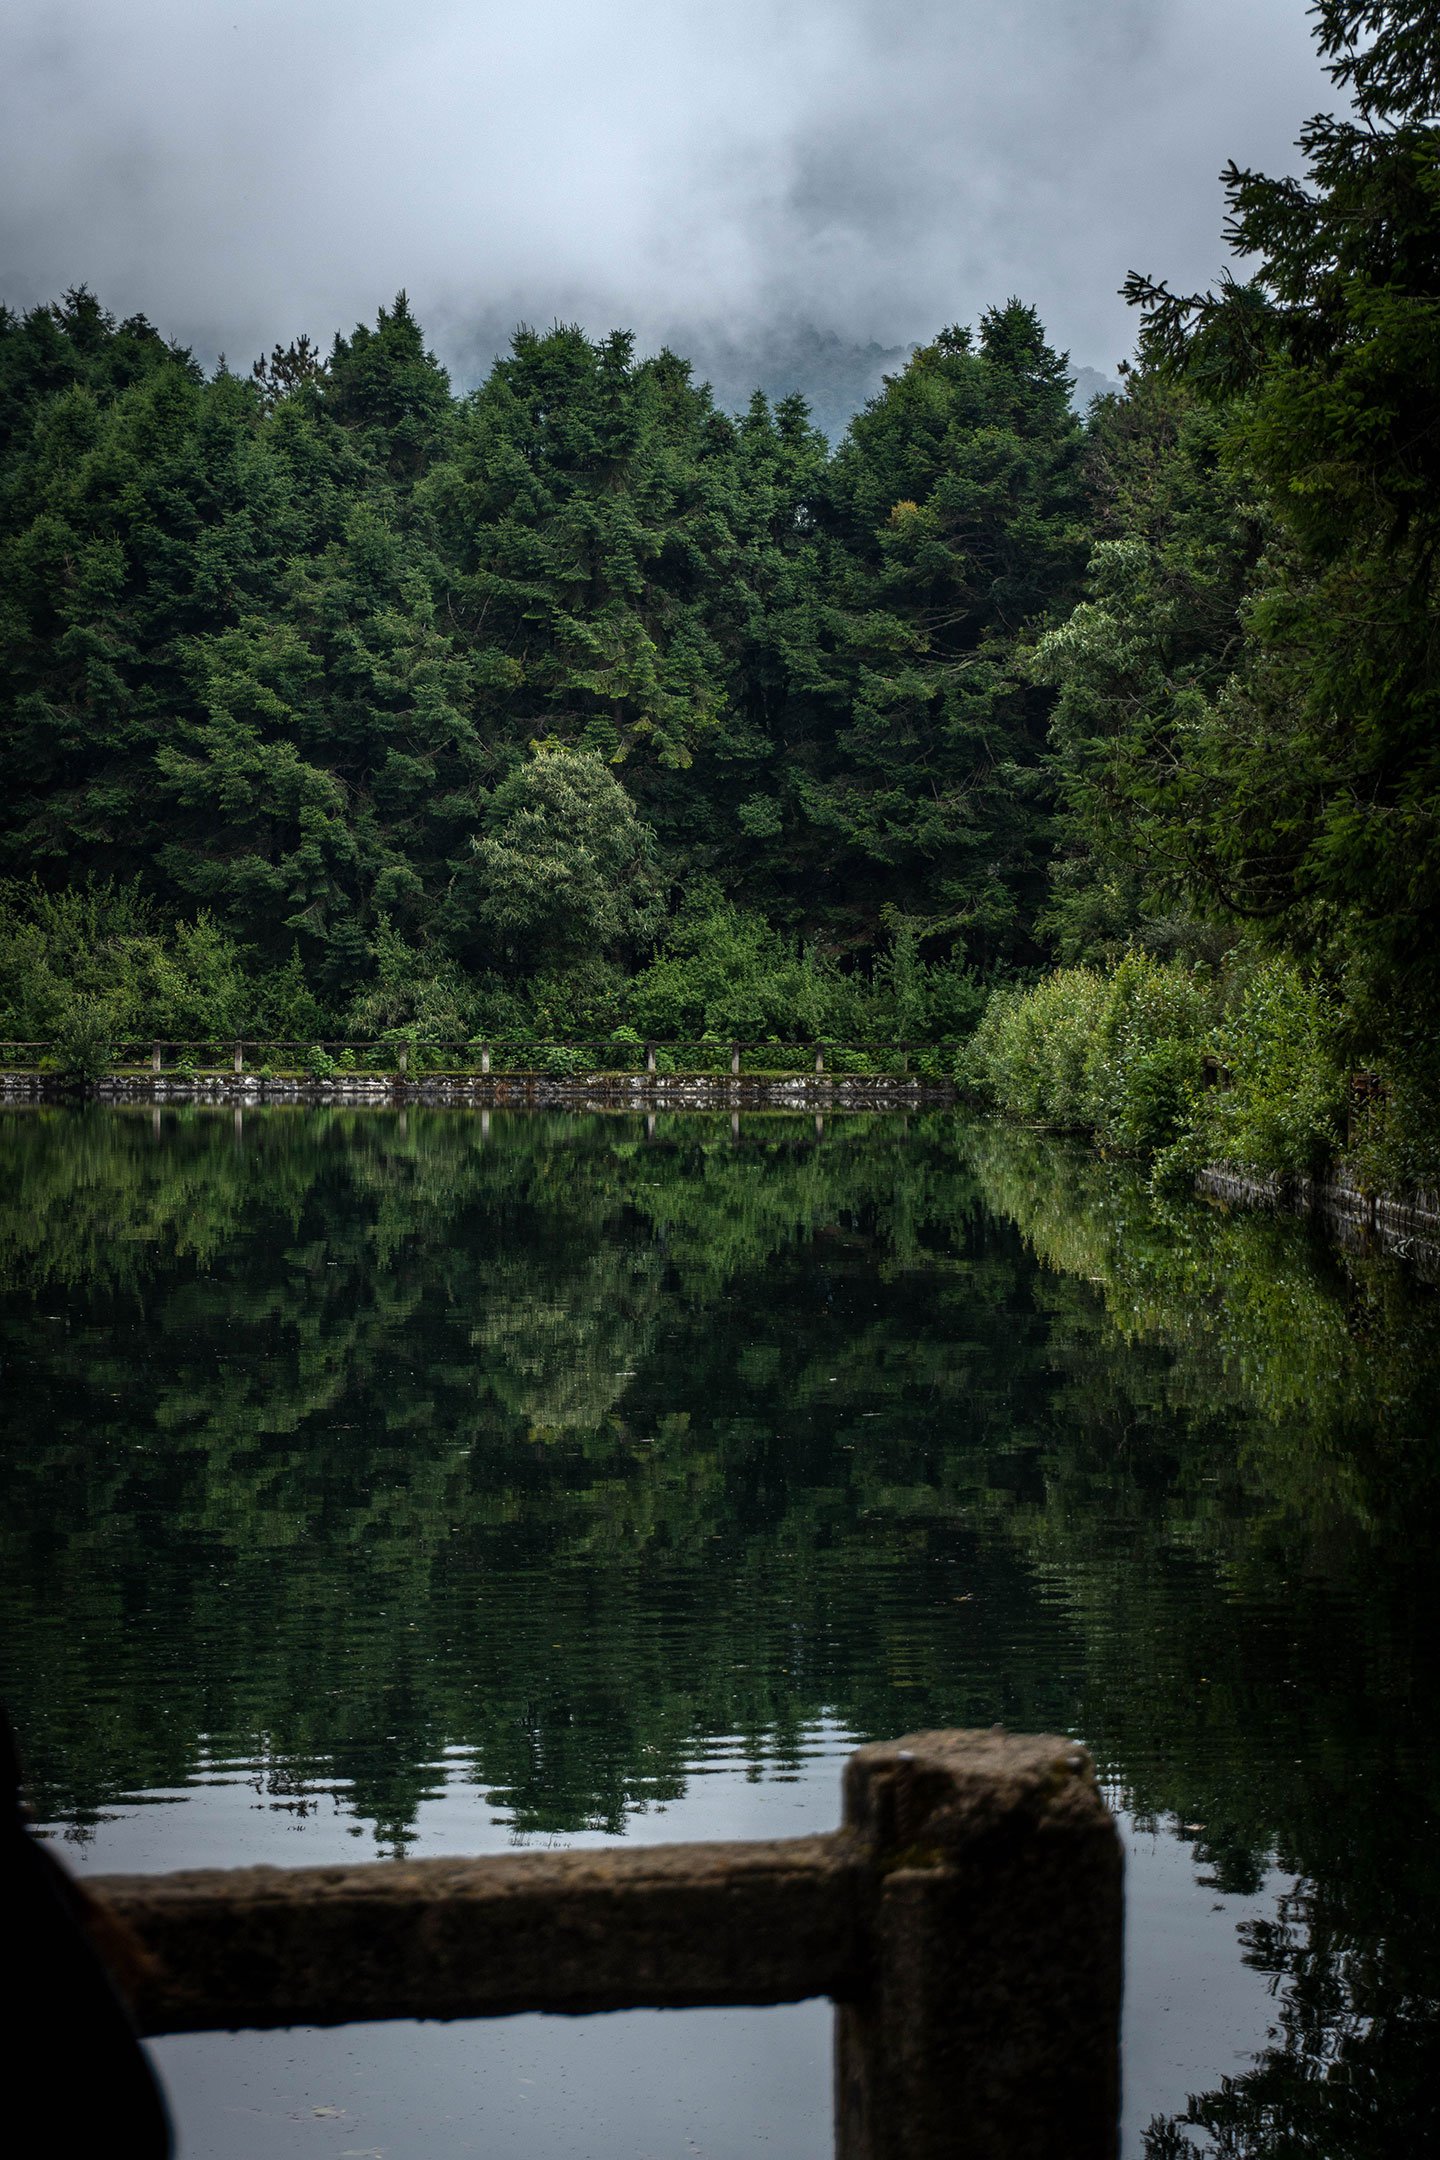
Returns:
(332,701)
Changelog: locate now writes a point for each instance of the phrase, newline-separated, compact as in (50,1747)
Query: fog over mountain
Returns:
(823,184)
(834,374)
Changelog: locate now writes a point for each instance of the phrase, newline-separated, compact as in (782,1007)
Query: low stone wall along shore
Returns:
(519,1091)
(1409,1228)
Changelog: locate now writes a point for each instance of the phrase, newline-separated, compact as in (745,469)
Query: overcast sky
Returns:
(241,170)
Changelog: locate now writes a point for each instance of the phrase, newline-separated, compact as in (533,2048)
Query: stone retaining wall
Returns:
(600,1091)
(1408,1228)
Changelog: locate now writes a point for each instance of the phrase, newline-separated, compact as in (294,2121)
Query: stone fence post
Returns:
(989,2026)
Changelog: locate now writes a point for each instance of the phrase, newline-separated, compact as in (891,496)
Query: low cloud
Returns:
(241,170)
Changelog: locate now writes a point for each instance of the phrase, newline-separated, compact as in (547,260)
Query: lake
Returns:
(417,1481)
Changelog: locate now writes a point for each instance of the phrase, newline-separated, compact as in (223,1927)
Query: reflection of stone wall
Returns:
(592,1091)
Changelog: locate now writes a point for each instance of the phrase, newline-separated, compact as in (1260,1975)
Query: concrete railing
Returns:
(966,1920)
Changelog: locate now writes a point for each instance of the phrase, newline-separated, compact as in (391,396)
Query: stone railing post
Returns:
(239,1057)
(734,1061)
(650,1057)
(485,1058)
(989,2028)
(819,1060)
(155,1057)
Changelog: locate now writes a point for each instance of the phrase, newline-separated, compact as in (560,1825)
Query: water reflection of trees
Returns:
(1287,1705)
(567,1448)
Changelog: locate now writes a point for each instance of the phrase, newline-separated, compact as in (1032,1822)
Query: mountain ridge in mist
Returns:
(837,376)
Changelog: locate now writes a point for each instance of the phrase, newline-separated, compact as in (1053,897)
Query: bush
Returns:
(1145,1069)
(283,1005)
(558,1061)
(414,991)
(1124,1056)
(1030,1054)
(1394,1143)
(915,1000)
(1120,1056)
(101,947)
(83,1047)
(1282,1107)
(725,974)
(955,1000)
(840,1060)
(626,1050)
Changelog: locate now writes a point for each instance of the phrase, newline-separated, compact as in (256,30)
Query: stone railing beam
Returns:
(646,1926)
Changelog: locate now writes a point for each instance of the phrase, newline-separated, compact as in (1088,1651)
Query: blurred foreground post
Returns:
(990,2021)
(965,1918)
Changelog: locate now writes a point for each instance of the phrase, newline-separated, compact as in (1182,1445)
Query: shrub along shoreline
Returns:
(1235,1078)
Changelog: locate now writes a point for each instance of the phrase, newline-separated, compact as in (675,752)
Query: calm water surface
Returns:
(430,1482)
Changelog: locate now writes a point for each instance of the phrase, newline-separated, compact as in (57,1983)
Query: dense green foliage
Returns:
(1247,730)
(578,706)
(439,710)
(1158,1059)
